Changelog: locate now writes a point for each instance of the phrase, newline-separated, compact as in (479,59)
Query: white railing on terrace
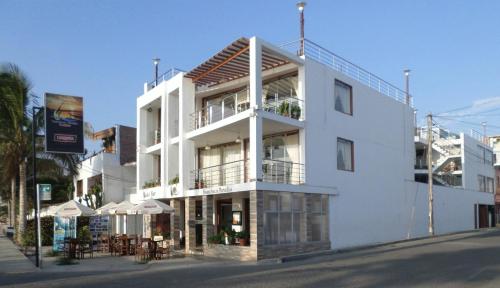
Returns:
(230,105)
(324,56)
(169,74)
(236,172)
(289,107)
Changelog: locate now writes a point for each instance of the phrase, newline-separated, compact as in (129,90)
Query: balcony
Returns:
(227,106)
(273,171)
(285,106)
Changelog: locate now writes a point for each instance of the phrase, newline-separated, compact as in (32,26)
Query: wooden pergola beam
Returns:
(221,64)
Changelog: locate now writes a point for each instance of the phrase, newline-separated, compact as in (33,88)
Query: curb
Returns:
(305,256)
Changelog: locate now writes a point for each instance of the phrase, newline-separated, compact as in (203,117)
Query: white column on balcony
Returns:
(164,138)
(255,171)
(186,147)
(301,92)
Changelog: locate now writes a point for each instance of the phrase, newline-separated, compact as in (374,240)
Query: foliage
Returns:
(295,111)
(289,110)
(28,238)
(151,184)
(47,231)
(174,180)
(242,235)
(84,234)
(94,197)
(216,239)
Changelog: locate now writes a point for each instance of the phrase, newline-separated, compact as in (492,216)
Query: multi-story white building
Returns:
(305,153)
(111,170)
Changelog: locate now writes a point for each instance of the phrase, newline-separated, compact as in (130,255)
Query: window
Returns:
(286,214)
(485,184)
(345,154)
(486,155)
(343,97)
(79,188)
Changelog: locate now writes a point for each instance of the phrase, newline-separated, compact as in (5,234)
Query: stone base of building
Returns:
(234,252)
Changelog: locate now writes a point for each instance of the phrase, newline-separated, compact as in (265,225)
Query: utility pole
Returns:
(429,174)
(36,195)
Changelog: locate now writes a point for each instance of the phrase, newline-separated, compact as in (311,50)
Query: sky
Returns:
(102,49)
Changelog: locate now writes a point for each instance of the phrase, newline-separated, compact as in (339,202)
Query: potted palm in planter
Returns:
(242,237)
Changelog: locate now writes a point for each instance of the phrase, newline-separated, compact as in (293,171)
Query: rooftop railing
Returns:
(324,56)
(169,74)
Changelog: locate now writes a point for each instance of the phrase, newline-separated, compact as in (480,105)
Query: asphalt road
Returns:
(465,260)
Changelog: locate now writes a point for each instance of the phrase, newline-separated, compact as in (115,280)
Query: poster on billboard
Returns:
(64,227)
(63,124)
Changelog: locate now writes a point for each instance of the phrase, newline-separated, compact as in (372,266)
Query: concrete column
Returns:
(190,233)
(256,221)
(208,218)
(175,219)
(255,172)
(164,140)
(186,147)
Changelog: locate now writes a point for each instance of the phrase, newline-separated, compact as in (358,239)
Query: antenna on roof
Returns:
(301,6)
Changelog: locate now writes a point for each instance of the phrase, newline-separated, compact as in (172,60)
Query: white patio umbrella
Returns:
(73,208)
(122,208)
(151,206)
(105,210)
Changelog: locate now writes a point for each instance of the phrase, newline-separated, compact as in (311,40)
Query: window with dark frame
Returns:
(343,97)
(79,188)
(345,154)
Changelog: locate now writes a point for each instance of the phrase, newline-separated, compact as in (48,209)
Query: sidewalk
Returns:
(12,260)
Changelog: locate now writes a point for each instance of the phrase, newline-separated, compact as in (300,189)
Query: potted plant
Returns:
(283,109)
(242,237)
(295,111)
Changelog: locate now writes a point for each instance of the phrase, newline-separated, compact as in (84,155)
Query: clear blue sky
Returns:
(102,50)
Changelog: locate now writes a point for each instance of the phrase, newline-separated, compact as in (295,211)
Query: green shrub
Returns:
(28,238)
(47,232)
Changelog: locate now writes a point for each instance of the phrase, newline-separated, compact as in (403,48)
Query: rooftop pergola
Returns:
(232,63)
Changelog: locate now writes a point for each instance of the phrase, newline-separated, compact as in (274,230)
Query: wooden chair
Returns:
(86,247)
(104,244)
(162,249)
(123,245)
(142,251)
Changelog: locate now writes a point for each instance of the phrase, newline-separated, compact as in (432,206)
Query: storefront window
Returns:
(286,223)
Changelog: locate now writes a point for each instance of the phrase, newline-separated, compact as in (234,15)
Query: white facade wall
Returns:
(378,202)
(473,162)
(118,181)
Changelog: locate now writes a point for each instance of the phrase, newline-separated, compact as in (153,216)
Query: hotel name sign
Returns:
(217,190)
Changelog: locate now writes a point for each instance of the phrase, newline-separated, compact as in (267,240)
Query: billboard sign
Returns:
(63,124)
(64,227)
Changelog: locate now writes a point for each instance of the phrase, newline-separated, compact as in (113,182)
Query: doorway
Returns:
(224,214)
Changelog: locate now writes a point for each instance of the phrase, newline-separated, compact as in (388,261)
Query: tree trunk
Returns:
(22,200)
(12,215)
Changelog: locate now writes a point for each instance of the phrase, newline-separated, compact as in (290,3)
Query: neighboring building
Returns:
(458,160)
(112,169)
(305,153)
(495,144)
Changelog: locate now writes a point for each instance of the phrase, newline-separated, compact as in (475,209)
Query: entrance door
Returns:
(224,214)
(483,216)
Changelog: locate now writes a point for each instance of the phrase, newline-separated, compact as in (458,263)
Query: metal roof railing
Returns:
(330,59)
(169,74)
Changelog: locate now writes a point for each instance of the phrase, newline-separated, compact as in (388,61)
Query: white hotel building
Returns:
(310,152)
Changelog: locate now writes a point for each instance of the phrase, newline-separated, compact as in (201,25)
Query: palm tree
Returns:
(16,137)
(15,92)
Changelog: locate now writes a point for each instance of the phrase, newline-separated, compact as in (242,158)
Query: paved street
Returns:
(463,260)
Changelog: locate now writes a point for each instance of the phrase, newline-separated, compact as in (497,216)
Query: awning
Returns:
(151,206)
(232,63)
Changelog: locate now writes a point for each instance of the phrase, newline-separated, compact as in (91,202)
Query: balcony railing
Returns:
(155,137)
(230,105)
(169,74)
(288,106)
(282,172)
(322,55)
(220,175)
(274,171)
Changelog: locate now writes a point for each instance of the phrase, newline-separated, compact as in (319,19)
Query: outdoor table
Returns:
(70,247)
